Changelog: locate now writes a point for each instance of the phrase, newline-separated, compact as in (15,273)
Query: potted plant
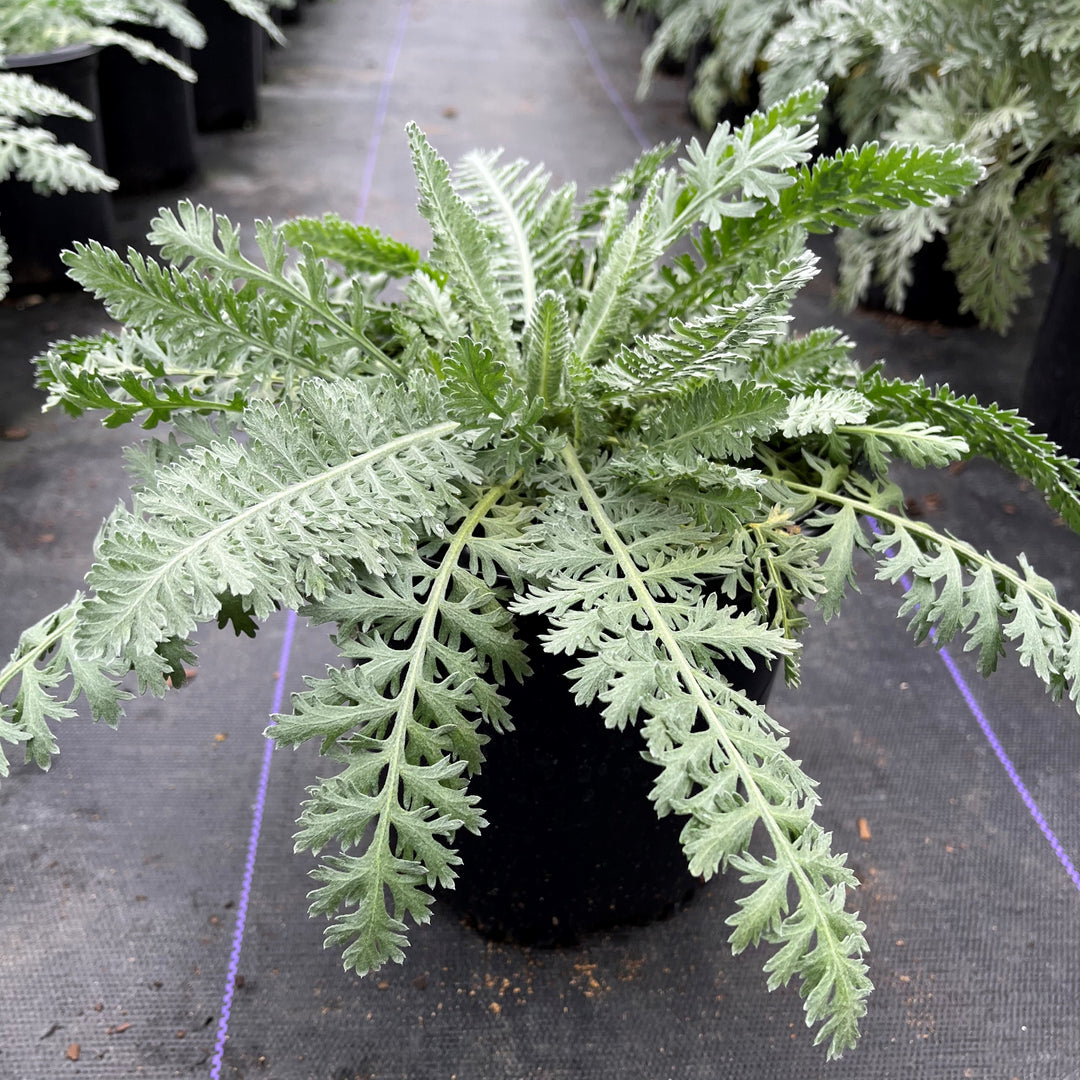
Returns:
(58,46)
(230,68)
(721,43)
(587,413)
(32,154)
(51,144)
(1000,79)
(148,110)
(38,26)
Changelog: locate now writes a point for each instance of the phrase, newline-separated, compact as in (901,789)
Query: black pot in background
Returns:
(669,65)
(148,114)
(734,111)
(932,295)
(573,844)
(230,68)
(38,227)
(1051,395)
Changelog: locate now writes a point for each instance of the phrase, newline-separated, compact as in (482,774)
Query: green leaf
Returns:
(507,196)
(618,285)
(340,481)
(738,172)
(45,659)
(461,247)
(619,592)
(484,399)
(428,644)
(824,411)
(546,347)
(709,345)
(990,431)
(718,420)
(198,242)
(359,249)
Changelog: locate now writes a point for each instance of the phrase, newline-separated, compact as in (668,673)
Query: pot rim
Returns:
(17,61)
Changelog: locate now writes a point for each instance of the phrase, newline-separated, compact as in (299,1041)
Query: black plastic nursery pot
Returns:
(148,116)
(573,844)
(38,227)
(1051,396)
(230,68)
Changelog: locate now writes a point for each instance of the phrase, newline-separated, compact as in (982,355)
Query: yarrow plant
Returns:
(725,40)
(585,409)
(31,153)
(1001,79)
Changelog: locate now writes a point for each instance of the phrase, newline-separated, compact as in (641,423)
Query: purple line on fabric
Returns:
(995,743)
(602,76)
(252,848)
(1007,764)
(381,109)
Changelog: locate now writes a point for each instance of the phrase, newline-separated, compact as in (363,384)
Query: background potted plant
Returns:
(585,412)
(139,129)
(231,66)
(721,42)
(1001,80)
(33,155)
(58,46)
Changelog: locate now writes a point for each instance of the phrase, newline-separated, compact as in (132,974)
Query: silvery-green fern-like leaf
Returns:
(247,326)
(815,354)
(729,333)
(429,648)
(652,653)
(50,675)
(32,154)
(192,238)
(626,187)
(736,171)
(531,225)
(341,480)
(357,248)
(23,98)
(717,420)
(132,375)
(619,283)
(823,411)
(546,347)
(989,431)
(507,196)
(490,406)
(836,191)
(950,586)
(461,246)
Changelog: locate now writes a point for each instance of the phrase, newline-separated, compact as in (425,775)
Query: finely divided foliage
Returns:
(590,412)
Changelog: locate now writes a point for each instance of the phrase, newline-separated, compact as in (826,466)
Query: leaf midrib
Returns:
(282,496)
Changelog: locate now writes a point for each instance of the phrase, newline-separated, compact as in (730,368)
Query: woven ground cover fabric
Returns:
(141,924)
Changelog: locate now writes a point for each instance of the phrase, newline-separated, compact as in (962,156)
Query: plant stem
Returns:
(425,634)
(930,535)
(782,843)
